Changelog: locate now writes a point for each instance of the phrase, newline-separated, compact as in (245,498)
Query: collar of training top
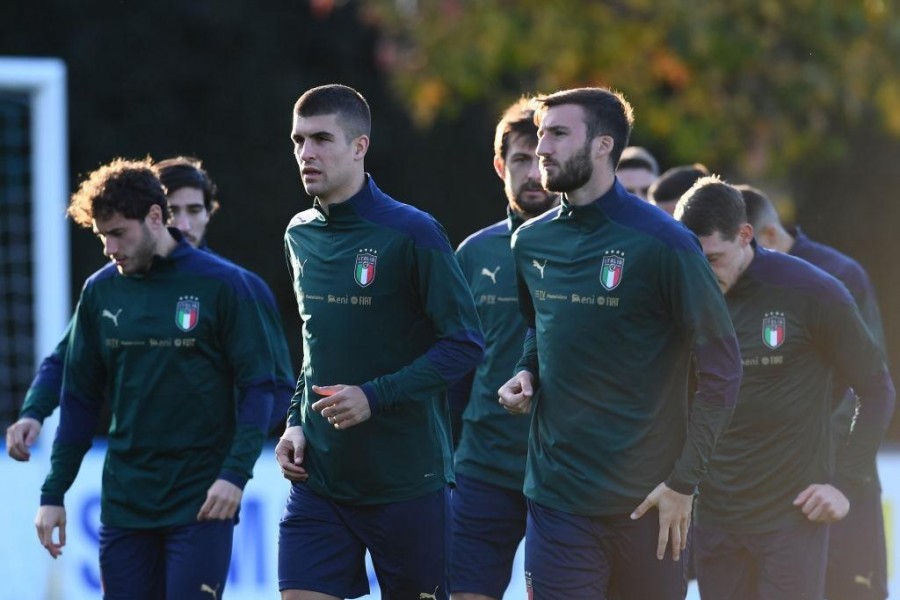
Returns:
(513,220)
(356,204)
(594,214)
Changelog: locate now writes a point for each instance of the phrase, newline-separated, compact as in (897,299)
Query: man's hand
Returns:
(289,454)
(515,394)
(343,405)
(49,518)
(823,503)
(674,518)
(20,436)
(222,501)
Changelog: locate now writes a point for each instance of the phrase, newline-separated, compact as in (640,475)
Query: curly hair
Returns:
(127,187)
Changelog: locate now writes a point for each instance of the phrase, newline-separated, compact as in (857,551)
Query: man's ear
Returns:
(603,145)
(155,217)
(360,147)
(500,167)
(745,232)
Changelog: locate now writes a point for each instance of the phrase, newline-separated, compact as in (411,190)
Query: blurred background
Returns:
(798,97)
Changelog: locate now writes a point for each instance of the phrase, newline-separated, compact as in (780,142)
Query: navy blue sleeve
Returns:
(42,396)
(448,303)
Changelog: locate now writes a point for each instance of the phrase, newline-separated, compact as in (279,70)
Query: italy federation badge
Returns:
(611,269)
(364,270)
(187,312)
(773,329)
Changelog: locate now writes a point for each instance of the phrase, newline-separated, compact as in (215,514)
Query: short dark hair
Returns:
(350,106)
(710,206)
(517,119)
(127,187)
(675,182)
(188,172)
(606,112)
(638,157)
(760,210)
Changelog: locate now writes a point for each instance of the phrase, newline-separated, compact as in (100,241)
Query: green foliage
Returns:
(748,85)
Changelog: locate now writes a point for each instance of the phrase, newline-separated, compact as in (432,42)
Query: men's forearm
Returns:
(529,360)
(254,410)
(42,396)
(444,364)
(458,400)
(65,461)
(707,423)
(876,406)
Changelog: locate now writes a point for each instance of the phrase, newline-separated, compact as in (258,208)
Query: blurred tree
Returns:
(748,85)
(218,81)
(803,91)
(799,97)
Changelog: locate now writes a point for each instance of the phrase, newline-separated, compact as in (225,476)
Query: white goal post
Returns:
(43,80)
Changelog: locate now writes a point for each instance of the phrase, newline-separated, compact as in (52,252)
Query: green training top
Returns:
(618,296)
(797,327)
(167,348)
(42,396)
(493,443)
(384,307)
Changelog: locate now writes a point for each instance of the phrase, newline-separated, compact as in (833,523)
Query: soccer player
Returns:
(488,505)
(388,324)
(773,484)
(667,190)
(191,195)
(637,170)
(857,554)
(165,331)
(192,202)
(617,297)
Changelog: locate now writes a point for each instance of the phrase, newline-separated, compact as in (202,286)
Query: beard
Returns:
(141,257)
(573,174)
(527,203)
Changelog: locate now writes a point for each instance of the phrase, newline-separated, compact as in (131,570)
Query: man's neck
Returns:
(165,243)
(600,182)
(749,255)
(342,195)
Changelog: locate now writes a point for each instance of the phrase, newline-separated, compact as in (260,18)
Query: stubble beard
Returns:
(573,174)
(142,257)
(533,207)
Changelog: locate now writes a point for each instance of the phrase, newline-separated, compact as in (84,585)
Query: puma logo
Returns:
(214,592)
(432,595)
(539,266)
(866,581)
(300,266)
(491,274)
(112,317)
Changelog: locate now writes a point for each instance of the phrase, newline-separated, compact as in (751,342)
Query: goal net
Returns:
(34,236)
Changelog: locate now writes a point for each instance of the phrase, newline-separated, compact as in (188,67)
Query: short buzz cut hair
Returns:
(335,99)
(188,172)
(127,187)
(606,112)
(517,119)
(711,206)
(675,182)
(760,211)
